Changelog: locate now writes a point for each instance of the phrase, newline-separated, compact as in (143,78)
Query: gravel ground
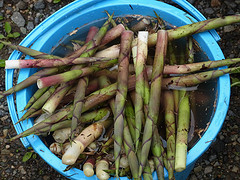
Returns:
(221,161)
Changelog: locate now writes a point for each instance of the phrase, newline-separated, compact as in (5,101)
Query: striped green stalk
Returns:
(141,57)
(35,97)
(155,94)
(170,131)
(121,95)
(38,104)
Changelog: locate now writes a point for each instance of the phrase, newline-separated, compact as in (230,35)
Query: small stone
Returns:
(207,162)
(30,25)
(22,170)
(216,164)
(49,1)
(212,157)
(193,177)
(235,169)
(197,169)
(208,169)
(18,19)
(5,152)
(238,140)
(21,5)
(39,5)
(23,30)
(5,132)
(209,11)
(7,146)
(1,3)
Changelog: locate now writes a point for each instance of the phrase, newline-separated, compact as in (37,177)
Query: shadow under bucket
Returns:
(83,14)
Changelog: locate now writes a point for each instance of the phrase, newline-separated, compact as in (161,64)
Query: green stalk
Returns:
(121,95)
(78,103)
(57,121)
(31,52)
(30,80)
(182,131)
(54,100)
(194,79)
(155,94)
(195,28)
(139,69)
(38,104)
(35,97)
(170,131)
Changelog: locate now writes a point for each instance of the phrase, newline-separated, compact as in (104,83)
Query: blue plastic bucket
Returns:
(79,13)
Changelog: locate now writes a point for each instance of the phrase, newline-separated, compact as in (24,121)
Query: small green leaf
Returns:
(1,45)
(16,34)
(2,36)
(27,156)
(8,27)
(56,1)
(235,82)
(10,35)
(34,156)
(1,18)
(2,63)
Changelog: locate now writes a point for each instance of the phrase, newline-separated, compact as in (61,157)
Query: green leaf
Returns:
(8,27)
(1,18)
(10,35)
(34,156)
(235,82)
(1,45)
(27,156)
(16,34)
(2,63)
(56,1)
(2,36)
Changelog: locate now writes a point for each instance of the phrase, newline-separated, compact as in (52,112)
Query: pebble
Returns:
(39,5)
(1,3)
(197,169)
(23,30)
(22,170)
(30,25)
(209,10)
(235,169)
(208,169)
(212,157)
(18,19)
(21,5)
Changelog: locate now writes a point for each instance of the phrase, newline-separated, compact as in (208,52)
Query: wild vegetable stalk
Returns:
(197,78)
(141,57)
(73,74)
(35,97)
(195,28)
(38,63)
(31,52)
(54,100)
(88,167)
(170,131)
(182,131)
(155,94)
(30,80)
(38,104)
(121,95)
(87,136)
(78,103)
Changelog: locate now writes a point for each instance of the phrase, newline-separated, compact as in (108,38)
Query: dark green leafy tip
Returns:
(235,82)
(27,156)
(8,27)
(2,36)
(34,156)
(16,34)
(1,18)
(2,63)
(1,45)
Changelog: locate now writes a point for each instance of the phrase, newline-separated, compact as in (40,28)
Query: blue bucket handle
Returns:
(196,14)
